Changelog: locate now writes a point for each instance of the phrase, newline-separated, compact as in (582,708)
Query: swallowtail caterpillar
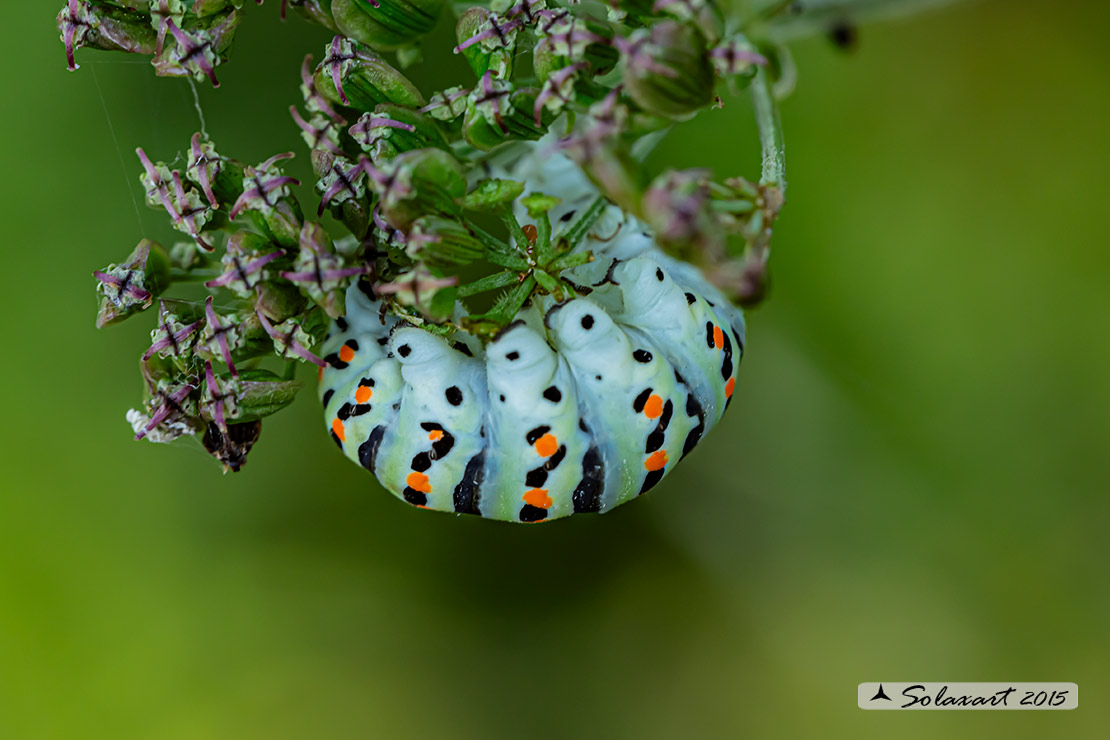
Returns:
(575,407)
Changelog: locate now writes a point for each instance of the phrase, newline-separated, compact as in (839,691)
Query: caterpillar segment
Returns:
(629,398)
(440,420)
(535,422)
(577,407)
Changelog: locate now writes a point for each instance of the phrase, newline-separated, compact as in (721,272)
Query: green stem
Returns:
(490,282)
(585,222)
(770,131)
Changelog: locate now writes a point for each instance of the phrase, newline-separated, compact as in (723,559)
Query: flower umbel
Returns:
(455,206)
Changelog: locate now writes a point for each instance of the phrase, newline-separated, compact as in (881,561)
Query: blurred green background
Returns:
(911,486)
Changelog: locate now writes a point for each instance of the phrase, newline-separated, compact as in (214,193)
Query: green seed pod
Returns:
(104,27)
(353,75)
(442,242)
(571,40)
(392,129)
(705,14)
(667,69)
(485,43)
(497,112)
(417,183)
(386,24)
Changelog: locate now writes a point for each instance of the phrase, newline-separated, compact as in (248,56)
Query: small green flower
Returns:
(353,75)
(130,287)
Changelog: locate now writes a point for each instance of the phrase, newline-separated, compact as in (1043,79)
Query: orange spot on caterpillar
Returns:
(346,353)
(653,409)
(338,430)
(435,435)
(363,394)
(547,445)
(537,497)
(532,234)
(418,482)
(729,386)
(319,374)
(718,337)
(657,461)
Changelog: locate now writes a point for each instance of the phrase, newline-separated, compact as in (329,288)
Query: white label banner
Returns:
(956,695)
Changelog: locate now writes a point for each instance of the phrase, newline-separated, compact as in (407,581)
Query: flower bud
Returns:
(321,273)
(267,198)
(353,75)
(447,105)
(487,42)
(442,242)
(245,262)
(169,413)
(173,338)
(130,287)
(417,183)
(291,341)
(392,129)
(386,24)
(104,27)
(667,70)
(567,39)
(198,47)
(497,112)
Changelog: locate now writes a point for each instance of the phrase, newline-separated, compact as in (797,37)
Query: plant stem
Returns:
(770,132)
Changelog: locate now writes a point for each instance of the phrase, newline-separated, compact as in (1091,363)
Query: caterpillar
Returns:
(574,407)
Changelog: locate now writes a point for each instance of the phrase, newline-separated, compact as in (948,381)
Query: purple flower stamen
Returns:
(319,135)
(494,31)
(288,340)
(313,95)
(368,123)
(201,162)
(193,50)
(243,272)
(170,404)
(217,394)
(553,88)
(219,333)
(173,339)
(262,189)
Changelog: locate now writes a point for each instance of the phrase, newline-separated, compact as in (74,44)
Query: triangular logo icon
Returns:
(881,694)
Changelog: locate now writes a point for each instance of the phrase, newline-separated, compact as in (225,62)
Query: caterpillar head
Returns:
(520,356)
